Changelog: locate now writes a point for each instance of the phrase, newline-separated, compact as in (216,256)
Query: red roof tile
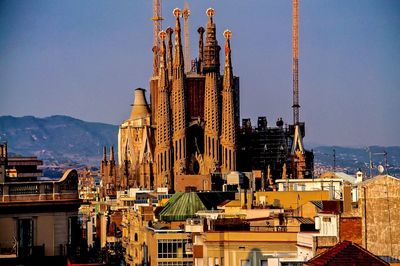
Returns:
(346,253)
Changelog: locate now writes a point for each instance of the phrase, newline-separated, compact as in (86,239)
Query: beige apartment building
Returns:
(39,218)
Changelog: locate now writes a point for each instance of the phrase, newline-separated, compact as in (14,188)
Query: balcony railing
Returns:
(65,188)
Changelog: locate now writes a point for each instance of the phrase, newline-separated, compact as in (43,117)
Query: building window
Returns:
(175,263)
(326,219)
(25,237)
(73,231)
(173,248)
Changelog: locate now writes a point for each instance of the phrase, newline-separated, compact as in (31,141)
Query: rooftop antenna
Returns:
(334,160)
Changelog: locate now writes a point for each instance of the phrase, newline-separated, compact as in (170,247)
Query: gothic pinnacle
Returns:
(104,154)
(210,13)
(201,48)
(163,74)
(169,32)
(155,66)
(228,77)
(111,153)
(178,56)
(211,49)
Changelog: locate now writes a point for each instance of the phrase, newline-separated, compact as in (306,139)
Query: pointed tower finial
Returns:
(111,153)
(210,14)
(104,154)
(228,76)
(229,127)
(211,51)
(169,32)
(178,56)
(155,60)
(163,74)
(201,49)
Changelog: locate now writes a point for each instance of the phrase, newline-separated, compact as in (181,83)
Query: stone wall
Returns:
(379,203)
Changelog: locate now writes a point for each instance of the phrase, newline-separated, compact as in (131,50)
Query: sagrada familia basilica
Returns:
(190,131)
(191,126)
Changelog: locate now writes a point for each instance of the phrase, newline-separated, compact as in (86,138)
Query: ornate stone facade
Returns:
(190,115)
(136,145)
(163,134)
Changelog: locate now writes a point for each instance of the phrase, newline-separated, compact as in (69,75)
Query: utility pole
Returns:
(370,161)
(334,160)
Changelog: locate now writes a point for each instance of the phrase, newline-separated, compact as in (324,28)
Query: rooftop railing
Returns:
(63,189)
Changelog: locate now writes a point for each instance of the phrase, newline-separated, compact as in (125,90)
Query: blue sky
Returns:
(84,58)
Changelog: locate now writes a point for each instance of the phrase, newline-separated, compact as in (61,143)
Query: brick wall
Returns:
(350,228)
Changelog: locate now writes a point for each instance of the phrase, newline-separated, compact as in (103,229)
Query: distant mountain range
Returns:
(349,159)
(57,139)
(66,141)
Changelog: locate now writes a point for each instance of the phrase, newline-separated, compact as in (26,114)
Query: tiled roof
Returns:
(318,204)
(329,206)
(346,177)
(305,220)
(346,253)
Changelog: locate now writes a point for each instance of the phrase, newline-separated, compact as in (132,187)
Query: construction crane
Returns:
(157,26)
(186,50)
(295,60)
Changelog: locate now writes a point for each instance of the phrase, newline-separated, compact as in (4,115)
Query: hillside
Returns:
(349,159)
(63,141)
(57,139)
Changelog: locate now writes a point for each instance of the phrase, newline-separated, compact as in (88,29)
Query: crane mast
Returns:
(295,60)
(186,50)
(157,27)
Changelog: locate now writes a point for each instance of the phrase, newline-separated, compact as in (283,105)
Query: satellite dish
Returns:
(381,169)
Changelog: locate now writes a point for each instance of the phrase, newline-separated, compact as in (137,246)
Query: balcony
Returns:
(64,189)
(194,225)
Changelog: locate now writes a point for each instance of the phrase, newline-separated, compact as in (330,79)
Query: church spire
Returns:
(104,154)
(228,76)
(155,59)
(112,154)
(211,99)
(228,134)
(169,32)
(178,57)
(178,99)
(163,133)
(163,70)
(201,48)
(211,49)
